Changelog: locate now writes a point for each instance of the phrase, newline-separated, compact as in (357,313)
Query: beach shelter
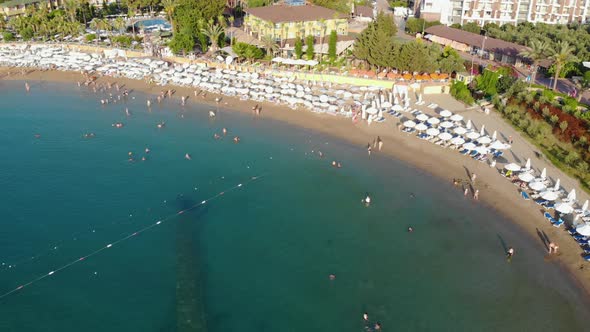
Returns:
(482,132)
(460,131)
(446,124)
(446,113)
(433,131)
(537,186)
(571,196)
(421,127)
(409,124)
(456,117)
(564,208)
(526,177)
(469,146)
(557,185)
(528,164)
(484,140)
(549,195)
(445,136)
(469,125)
(583,229)
(457,141)
(512,167)
(422,117)
(473,135)
(433,121)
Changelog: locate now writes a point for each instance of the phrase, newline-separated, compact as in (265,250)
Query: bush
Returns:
(247,51)
(460,91)
(7,36)
(90,37)
(26,33)
(122,41)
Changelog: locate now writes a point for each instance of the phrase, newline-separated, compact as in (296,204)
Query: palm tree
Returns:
(538,50)
(231,20)
(321,26)
(71,8)
(119,24)
(169,8)
(560,55)
(270,45)
(213,32)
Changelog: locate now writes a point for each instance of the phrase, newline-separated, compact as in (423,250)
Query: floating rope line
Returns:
(127,237)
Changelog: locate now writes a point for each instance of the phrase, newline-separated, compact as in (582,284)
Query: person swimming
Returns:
(366,317)
(143,158)
(332,277)
(161,125)
(127,112)
(224,131)
(237,139)
(187,156)
(367,200)
(216,136)
(338,165)
(410,229)
(147,150)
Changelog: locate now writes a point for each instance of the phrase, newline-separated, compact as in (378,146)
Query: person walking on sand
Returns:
(473,177)
(553,247)
(509,253)
(466,191)
(379,143)
(476,194)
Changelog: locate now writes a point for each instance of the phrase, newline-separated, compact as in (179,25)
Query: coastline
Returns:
(501,195)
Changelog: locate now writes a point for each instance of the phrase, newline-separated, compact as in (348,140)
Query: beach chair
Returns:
(473,153)
(550,205)
(557,223)
(547,216)
(464,151)
(587,258)
(525,195)
(541,201)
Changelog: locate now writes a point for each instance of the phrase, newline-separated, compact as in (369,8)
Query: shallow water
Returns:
(256,258)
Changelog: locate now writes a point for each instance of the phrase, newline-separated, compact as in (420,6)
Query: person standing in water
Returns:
(379,143)
(369,148)
(509,254)
(27,87)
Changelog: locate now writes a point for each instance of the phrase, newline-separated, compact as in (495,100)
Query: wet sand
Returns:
(494,190)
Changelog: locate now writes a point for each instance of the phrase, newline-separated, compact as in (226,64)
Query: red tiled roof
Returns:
(473,39)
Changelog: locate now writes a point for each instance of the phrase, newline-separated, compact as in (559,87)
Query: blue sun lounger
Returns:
(557,223)
(548,216)
(587,257)
(540,201)
(525,195)
(549,205)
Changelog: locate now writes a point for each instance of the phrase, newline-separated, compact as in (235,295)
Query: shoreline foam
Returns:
(495,192)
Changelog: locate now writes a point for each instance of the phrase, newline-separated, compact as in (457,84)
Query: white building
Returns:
(504,11)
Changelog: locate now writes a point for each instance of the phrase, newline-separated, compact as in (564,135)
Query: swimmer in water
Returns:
(377,326)
(339,165)
(224,131)
(216,136)
(237,139)
(187,156)
(142,158)
(147,150)
(127,112)
(334,163)
(332,277)
(410,229)
(366,317)
(367,200)
(320,154)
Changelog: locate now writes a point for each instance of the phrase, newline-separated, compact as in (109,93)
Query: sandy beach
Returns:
(495,191)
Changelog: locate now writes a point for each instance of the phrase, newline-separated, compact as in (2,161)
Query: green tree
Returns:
(247,51)
(213,32)
(7,36)
(332,46)
(181,43)
(471,27)
(269,45)
(169,7)
(119,24)
(560,55)
(538,50)
(563,126)
(309,52)
(298,48)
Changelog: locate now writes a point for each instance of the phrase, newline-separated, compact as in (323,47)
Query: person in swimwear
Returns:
(237,139)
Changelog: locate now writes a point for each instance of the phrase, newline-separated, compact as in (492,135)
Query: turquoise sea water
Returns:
(257,258)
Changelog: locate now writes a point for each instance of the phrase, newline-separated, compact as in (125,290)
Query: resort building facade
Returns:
(503,11)
(19,7)
(282,22)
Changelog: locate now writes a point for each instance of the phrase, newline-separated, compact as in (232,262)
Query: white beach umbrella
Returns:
(537,185)
(457,141)
(445,136)
(410,124)
(482,150)
(482,132)
(445,113)
(564,208)
(557,185)
(469,146)
(460,130)
(572,195)
(433,121)
(433,131)
(373,110)
(473,135)
(512,167)
(585,206)
(549,195)
(583,229)
(494,135)
(422,117)
(484,140)
(544,174)
(456,117)
(499,145)
(446,124)
(421,127)
(526,177)
(469,125)
(528,164)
